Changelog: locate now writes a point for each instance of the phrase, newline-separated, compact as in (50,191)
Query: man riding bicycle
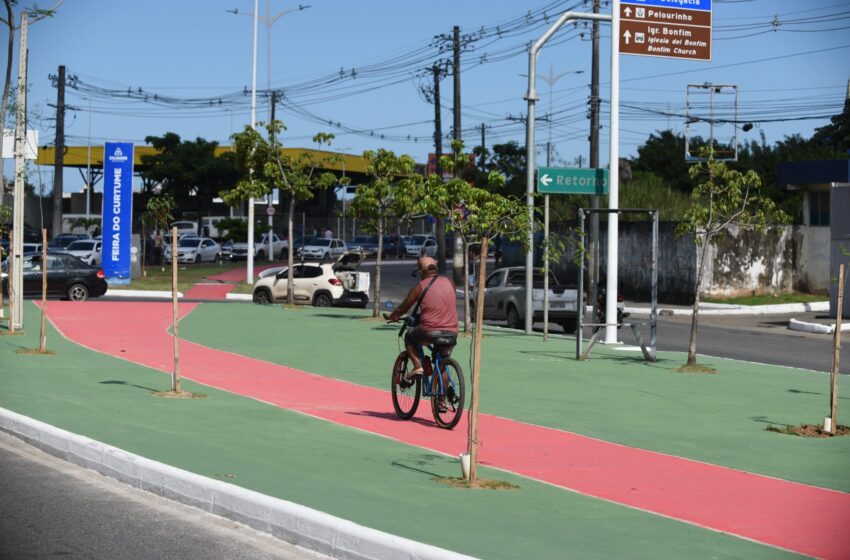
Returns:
(437,311)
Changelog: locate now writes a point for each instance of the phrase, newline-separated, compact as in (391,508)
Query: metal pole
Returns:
(546,267)
(531,97)
(17,279)
(88,168)
(653,317)
(580,294)
(250,267)
(614,180)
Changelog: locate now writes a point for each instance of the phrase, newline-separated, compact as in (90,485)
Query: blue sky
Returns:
(789,59)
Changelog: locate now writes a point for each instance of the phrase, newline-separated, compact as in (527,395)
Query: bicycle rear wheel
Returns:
(406,394)
(448,407)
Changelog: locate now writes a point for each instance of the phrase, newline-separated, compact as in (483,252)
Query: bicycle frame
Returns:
(436,366)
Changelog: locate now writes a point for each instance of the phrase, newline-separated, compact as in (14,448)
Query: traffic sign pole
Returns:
(613,180)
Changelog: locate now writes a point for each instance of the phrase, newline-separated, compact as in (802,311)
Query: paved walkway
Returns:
(782,514)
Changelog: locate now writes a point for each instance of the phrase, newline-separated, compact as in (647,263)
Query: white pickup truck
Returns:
(239,251)
(504,298)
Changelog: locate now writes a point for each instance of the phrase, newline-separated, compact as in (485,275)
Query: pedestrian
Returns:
(329,234)
(157,247)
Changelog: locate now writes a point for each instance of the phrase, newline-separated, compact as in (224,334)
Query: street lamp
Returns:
(551,79)
(268,20)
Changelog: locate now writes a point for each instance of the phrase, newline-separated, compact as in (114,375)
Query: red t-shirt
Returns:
(438,309)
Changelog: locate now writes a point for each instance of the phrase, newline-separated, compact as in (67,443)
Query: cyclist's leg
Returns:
(413,339)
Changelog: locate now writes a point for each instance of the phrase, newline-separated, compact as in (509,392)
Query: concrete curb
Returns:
(816,328)
(239,297)
(741,309)
(160,294)
(285,520)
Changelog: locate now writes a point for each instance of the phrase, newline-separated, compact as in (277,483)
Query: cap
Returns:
(427,263)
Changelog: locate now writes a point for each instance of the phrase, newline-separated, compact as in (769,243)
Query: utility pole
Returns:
(270,238)
(593,258)
(17,280)
(458,258)
(483,160)
(438,153)
(59,157)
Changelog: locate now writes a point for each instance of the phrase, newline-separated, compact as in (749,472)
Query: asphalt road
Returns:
(50,508)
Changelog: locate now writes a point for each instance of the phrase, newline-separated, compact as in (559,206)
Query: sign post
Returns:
(665,28)
(117,226)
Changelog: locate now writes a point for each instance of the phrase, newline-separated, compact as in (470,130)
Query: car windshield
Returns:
(418,239)
(81,246)
(321,242)
(188,242)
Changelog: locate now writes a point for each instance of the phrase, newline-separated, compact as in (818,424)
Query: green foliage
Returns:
(86,224)
(188,171)
(237,228)
(393,192)
(159,210)
(264,167)
(723,197)
(663,154)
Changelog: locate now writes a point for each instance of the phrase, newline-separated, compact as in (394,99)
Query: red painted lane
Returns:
(209,291)
(783,514)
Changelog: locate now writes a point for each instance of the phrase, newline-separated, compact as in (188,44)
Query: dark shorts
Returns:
(444,340)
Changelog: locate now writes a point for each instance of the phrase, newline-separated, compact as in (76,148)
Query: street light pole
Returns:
(250,271)
(268,21)
(88,169)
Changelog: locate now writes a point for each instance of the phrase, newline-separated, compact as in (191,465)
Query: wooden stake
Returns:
(836,354)
(10,279)
(175,374)
(2,306)
(42,344)
(476,365)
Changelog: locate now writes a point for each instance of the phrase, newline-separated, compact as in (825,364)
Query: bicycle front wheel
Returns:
(406,394)
(447,405)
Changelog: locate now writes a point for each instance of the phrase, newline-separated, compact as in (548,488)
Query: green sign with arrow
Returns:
(572,180)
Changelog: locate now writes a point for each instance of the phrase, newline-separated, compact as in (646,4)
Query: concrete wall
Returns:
(811,269)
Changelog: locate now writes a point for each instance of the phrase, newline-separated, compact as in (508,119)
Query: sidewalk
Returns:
(373,480)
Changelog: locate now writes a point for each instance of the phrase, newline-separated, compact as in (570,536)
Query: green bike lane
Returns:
(362,477)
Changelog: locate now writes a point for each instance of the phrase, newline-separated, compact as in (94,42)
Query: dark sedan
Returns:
(67,277)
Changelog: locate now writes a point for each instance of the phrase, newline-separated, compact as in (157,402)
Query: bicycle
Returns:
(446,389)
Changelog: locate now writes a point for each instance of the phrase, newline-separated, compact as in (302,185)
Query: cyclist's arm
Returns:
(408,302)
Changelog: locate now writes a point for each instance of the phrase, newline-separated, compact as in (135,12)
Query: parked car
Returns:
(87,250)
(321,285)
(324,249)
(31,247)
(67,277)
(359,243)
(194,250)
(369,244)
(419,245)
(504,298)
(239,250)
(184,226)
(62,240)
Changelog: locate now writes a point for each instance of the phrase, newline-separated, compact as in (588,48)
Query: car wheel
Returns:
(78,292)
(569,326)
(326,256)
(262,297)
(322,300)
(514,321)
(197,258)
(217,258)
(261,255)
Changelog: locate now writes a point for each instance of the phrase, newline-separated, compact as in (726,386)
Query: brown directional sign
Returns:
(668,32)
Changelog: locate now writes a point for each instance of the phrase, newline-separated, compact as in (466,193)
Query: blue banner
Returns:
(117,223)
(703,5)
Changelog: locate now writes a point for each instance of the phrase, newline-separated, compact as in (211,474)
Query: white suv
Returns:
(321,285)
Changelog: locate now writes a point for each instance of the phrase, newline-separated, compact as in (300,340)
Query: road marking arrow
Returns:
(545,180)
(627,35)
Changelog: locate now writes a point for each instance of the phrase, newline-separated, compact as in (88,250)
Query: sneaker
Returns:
(412,375)
(441,406)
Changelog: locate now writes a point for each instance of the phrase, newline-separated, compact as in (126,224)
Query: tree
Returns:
(265,166)
(478,215)
(722,197)
(390,193)
(159,212)
(664,155)
(86,224)
(188,171)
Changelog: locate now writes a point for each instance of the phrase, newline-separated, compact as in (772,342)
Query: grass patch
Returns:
(480,484)
(809,430)
(768,299)
(187,276)
(696,368)
(178,395)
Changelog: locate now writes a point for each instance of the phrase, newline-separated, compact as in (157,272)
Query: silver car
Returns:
(195,250)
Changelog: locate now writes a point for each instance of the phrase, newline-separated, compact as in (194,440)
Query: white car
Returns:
(322,248)
(321,285)
(88,251)
(420,245)
(194,250)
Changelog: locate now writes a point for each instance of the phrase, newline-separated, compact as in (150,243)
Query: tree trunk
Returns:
(290,289)
(476,366)
(466,310)
(836,355)
(42,340)
(376,308)
(175,373)
(2,306)
(692,345)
